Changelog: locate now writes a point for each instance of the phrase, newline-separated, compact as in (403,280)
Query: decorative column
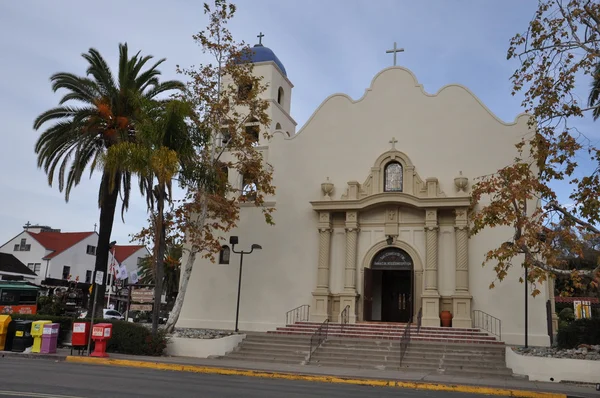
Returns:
(349,295)
(461,300)
(431,296)
(321,296)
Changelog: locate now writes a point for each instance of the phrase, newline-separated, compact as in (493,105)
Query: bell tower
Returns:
(279,87)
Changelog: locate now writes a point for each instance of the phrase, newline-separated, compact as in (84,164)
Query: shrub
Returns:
(580,331)
(567,314)
(127,338)
(47,305)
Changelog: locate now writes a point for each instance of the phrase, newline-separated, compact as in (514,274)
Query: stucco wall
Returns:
(442,134)
(203,348)
(553,369)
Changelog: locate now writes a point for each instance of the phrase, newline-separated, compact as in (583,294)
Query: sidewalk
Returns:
(426,380)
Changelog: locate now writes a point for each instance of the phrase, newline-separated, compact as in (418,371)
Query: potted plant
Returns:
(446,317)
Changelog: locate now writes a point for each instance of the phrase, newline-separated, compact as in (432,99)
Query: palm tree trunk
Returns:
(108,206)
(159,244)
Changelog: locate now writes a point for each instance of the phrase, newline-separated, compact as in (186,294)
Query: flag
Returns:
(122,272)
(113,268)
(134,277)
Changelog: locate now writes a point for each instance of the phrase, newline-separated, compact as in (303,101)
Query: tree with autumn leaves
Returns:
(558,54)
(229,118)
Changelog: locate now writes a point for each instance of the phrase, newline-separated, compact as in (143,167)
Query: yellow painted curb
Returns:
(305,377)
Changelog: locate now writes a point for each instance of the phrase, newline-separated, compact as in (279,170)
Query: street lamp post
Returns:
(233,240)
(526,307)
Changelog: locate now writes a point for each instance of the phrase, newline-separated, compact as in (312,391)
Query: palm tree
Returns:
(163,146)
(104,113)
(172,269)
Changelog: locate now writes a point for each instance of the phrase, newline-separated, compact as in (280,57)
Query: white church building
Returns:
(371,212)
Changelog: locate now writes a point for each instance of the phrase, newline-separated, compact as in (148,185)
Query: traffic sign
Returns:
(99,277)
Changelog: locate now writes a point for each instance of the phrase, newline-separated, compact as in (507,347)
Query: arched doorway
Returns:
(389,286)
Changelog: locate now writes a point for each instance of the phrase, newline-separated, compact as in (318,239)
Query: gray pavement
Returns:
(432,377)
(30,378)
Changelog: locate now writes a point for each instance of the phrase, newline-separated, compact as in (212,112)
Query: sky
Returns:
(327,46)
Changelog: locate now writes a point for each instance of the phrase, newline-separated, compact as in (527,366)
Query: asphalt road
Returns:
(50,379)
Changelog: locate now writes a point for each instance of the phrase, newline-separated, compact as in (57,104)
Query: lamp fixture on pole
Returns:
(233,240)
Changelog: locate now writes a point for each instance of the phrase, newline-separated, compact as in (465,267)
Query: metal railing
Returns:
(318,337)
(419,319)
(298,314)
(344,317)
(404,341)
(487,322)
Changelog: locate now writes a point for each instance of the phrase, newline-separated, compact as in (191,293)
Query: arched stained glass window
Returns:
(393,177)
(224,255)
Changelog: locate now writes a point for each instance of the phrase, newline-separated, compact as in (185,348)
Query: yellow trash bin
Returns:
(37,329)
(5,320)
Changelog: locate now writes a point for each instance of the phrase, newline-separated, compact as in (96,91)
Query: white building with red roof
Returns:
(51,253)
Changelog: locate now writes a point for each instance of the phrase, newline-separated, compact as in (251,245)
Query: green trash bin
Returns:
(23,337)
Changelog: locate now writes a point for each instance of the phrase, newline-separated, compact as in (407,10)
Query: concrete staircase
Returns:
(448,358)
(377,346)
(264,347)
(392,331)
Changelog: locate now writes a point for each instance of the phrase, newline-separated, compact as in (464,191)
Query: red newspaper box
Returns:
(81,333)
(101,333)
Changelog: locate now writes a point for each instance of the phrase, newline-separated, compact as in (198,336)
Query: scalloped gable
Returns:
(406,82)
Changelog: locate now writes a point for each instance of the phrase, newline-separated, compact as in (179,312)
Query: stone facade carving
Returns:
(416,193)
(413,184)
(327,188)
(461,300)
(461,182)
(351,251)
(321,296)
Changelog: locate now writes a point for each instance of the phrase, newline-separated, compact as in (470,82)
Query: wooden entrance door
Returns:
(396,298)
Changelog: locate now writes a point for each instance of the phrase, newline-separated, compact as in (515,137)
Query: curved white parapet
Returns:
(203,348)
(553,369)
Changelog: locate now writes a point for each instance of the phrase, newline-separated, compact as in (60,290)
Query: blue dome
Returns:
(261,53)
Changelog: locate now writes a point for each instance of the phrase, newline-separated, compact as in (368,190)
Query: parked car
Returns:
(107,314)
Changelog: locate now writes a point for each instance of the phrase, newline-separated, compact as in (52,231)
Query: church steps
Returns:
(383,325)
(386,326)
(262,356)
(441,339)
(249,347)
(480,336)
(462,352)
(414,330)
(367,353)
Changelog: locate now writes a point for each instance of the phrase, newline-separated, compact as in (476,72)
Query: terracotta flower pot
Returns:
(446,317)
